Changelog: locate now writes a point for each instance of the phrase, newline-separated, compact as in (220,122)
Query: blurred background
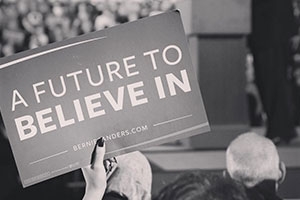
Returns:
(217,31)
(28,24)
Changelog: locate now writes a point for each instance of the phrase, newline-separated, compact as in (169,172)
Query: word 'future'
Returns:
(28,128)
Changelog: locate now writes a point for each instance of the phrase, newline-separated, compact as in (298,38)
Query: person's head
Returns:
(251,159)
(202,186)
(133,178)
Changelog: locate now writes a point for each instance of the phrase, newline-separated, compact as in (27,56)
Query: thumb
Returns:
(98,154)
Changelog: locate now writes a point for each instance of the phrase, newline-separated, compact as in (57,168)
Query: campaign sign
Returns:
(132,84)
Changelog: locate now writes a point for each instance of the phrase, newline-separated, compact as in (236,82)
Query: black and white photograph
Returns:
(150,99)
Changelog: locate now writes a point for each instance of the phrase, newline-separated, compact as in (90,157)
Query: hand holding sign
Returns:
(94,174)
(134,88)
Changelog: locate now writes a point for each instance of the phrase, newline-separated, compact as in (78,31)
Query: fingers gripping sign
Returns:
(95,174)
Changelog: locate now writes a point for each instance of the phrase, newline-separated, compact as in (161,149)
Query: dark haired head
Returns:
(202,185)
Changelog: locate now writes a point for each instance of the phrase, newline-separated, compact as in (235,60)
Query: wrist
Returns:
(94,193)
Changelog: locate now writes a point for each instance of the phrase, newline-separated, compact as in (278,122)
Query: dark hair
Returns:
(202,185)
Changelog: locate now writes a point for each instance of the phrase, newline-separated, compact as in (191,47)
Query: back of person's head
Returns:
(202,186)
(251,159)
(133,177)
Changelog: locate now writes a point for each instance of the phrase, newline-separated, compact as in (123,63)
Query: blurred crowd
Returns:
(27,24)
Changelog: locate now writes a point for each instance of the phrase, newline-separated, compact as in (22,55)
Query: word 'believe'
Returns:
(92,104)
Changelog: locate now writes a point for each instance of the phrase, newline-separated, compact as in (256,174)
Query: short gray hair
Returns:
(251,158)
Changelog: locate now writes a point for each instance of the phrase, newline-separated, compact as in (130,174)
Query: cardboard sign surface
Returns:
(133,84)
